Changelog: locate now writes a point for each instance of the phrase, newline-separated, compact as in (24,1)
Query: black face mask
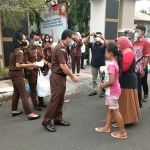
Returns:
(83,36)
(24,43)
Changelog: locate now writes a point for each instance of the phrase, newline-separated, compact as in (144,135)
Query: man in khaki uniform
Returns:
(58,82)
(34,54)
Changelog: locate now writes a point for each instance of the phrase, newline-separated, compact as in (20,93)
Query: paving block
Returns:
(7,96)
(1,98)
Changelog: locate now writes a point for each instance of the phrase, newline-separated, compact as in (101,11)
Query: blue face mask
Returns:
(36,43)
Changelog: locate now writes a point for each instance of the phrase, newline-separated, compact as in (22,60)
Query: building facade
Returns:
(112,17)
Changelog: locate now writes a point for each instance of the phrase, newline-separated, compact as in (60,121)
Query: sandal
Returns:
(99,129)
(115,125)
(118,135)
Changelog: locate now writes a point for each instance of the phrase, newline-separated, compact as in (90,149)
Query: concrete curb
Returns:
(71,88)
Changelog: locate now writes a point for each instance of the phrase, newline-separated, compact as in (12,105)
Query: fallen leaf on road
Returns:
(103,120)
(67,101)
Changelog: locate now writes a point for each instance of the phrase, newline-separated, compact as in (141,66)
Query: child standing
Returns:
(113,91)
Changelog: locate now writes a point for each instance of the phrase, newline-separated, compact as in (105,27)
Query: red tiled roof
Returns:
(141,16)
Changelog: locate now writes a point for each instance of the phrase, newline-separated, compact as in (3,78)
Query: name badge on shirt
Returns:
(63,50)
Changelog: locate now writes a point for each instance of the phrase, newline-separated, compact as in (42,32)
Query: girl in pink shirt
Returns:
(113,92)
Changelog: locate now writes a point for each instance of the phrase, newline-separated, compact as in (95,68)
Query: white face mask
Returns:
(36,43)
(51,39)
(98,39)
(71,43)
(137,35)
(46,40)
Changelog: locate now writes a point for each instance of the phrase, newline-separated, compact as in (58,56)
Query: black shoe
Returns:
(33,118)
(49,127)
(102,94)
(93,93)
(42,104)
(38,108)
(82,68)
(62,123)
(16,114)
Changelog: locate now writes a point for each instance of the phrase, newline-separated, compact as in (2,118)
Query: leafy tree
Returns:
(12,12)
(143,11)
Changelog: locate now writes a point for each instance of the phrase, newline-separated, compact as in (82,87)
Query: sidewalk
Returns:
(6,88)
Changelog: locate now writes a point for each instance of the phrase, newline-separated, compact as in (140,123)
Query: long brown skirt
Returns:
(129,106)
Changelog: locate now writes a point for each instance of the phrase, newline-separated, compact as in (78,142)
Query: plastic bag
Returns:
(43,84)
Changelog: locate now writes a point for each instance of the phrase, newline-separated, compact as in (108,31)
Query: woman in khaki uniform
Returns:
(16,75)
(46,45)
(76,53)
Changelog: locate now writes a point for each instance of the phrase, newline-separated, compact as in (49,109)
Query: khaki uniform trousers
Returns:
(54,108)
(19,91)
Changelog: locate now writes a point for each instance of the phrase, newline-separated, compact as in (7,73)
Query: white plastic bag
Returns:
(40,63)
(43,84)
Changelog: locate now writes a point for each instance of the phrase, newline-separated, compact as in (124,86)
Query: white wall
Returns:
(97,22)
(98,11)
(126,15)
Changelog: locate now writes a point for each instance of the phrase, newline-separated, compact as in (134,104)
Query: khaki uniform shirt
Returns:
(59,56)
(15,57)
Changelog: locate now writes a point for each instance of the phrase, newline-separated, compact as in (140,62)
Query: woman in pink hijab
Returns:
(128,100)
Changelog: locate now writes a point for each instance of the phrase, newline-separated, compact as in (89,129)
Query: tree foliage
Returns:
(12,12)
(143,11)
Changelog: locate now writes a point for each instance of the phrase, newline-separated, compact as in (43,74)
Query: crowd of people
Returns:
(121,80)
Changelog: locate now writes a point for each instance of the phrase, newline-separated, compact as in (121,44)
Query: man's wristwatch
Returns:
(144,69)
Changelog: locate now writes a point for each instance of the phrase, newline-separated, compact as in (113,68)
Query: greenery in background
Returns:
(12,12)
(3,73)
(144,12)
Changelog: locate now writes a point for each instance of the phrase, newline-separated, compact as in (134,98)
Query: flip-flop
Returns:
(118,136)
(100,130)
(115,125)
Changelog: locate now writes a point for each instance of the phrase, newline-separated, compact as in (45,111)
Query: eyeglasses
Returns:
(72,38)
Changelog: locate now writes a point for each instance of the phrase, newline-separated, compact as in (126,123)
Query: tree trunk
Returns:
(38,26)
(86,26)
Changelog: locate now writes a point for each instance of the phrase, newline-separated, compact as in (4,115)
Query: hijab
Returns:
(125,44)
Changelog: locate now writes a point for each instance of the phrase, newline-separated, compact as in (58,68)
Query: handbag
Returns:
(43,84)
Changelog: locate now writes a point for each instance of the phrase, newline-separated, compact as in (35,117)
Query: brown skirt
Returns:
(129,106)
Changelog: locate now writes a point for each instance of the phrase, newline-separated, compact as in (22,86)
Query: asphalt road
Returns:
(84,113)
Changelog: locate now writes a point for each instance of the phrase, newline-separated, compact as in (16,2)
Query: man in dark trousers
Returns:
(58,82)
(34,54)
(141,49)
(98,58)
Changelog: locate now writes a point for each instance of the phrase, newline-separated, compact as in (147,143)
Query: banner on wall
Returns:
(55,21)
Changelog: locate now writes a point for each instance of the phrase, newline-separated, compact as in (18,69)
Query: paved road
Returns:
(84,113)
